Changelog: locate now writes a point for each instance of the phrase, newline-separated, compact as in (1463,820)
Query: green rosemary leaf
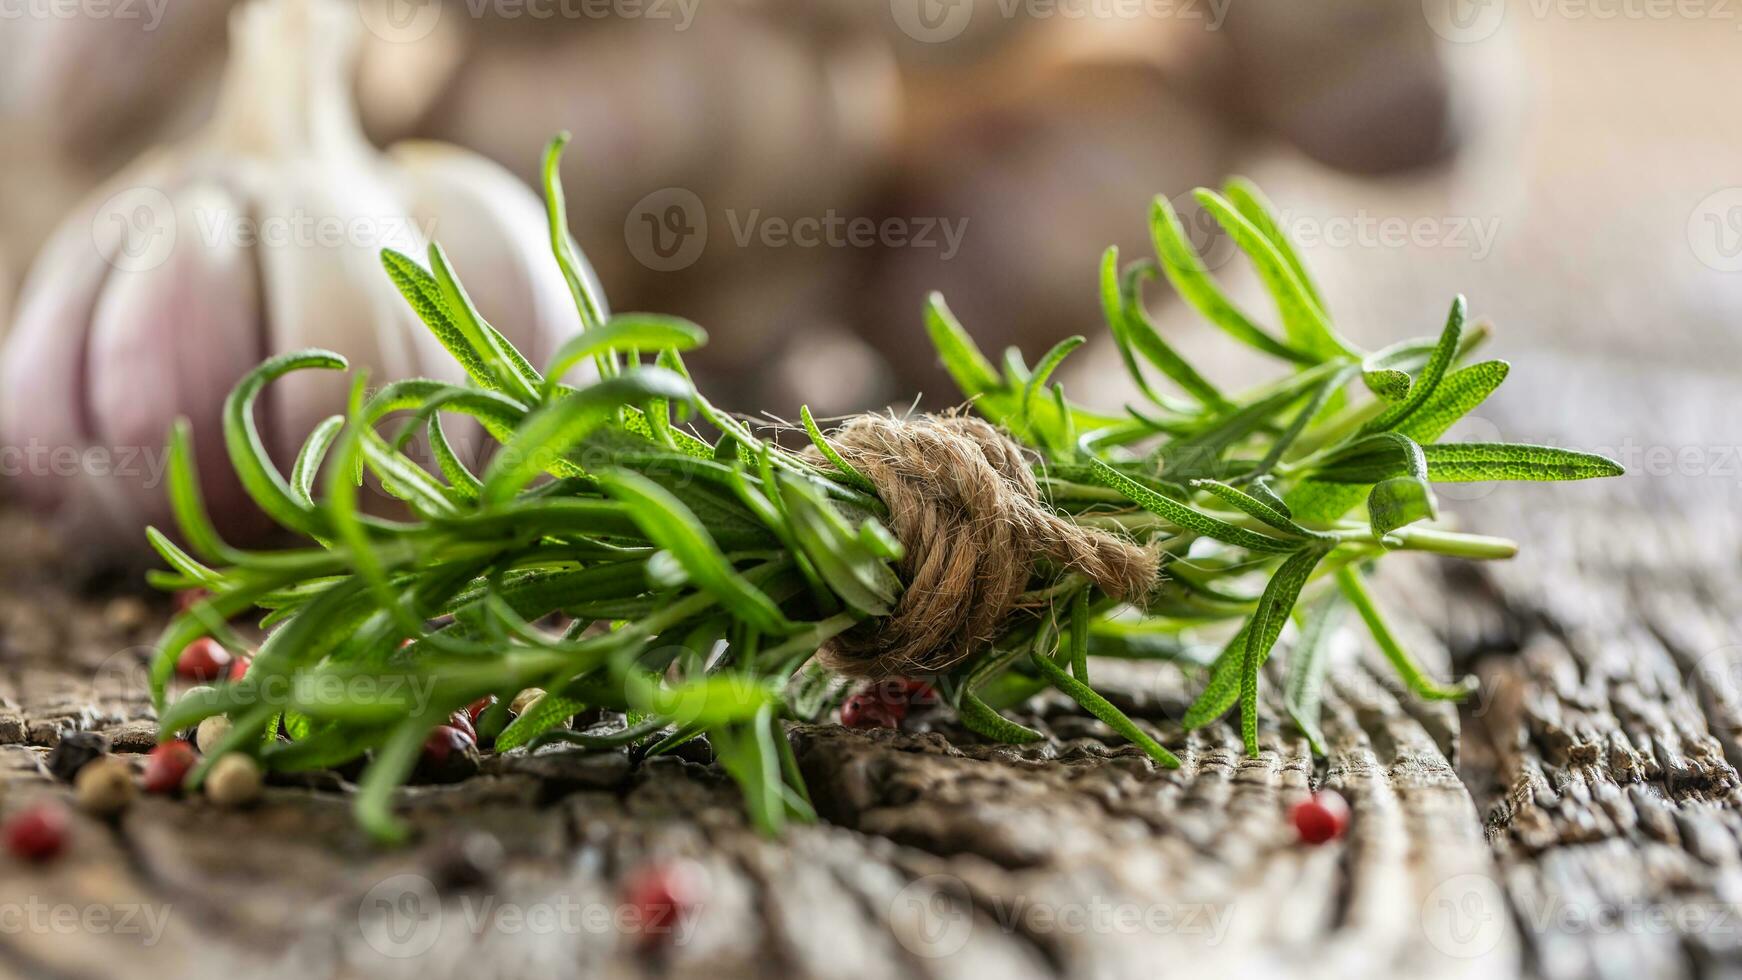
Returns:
(1413,677)
(714,699)
(423,294)
(624,332)
(1184,517)
(1461,391)
(1399,501)
(983,721)
(467,488)
(588,303)
(1425,386)
(546,714)
(1113,311)
(248,454)
(1142,335)
(1079,636)
(1262,490)
(1101,708)
(547,435)
(387,771)
(180,560)
(405,479)
(961,357)
(858,576)
(308,461)
(1042,371)
(1256,208)
(491,349)
(829,452)
(1182,266)
(1254,507)
(1470,462)
(672,526)
(1306,669)
(1304,324)
(1223,687)
(1264,628)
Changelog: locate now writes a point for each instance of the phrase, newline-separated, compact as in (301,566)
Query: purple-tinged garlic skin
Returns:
(259,236)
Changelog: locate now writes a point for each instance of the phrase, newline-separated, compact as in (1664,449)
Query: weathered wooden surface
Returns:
(1579,818)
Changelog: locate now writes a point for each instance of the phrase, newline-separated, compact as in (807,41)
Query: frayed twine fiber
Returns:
(965,505)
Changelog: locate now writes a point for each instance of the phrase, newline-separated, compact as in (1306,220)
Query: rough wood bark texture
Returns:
(1577,818)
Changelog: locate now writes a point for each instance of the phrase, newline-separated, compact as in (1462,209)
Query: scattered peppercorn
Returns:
(105,787)
(239,667)
(74,751)
(462,720)
(37,833)
(205,659)
(449,755)
(166,767)
(188,598)
(525,700)
(211,731)
(477,708)
(1321,817)
(662,895)
(234,780)
(866,710)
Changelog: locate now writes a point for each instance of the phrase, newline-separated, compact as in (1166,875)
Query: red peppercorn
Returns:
(449,755)
(188,598)
(204,660)
(444,741)
(462,720)
(37,833)
(1321,817)
(662,895)
(239,667)
(866,710)
(167,766)
(480,706)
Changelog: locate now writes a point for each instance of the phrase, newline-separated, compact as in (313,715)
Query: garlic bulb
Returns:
(260,235)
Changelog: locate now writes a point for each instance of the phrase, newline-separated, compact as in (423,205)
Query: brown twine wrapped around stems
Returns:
(965,505)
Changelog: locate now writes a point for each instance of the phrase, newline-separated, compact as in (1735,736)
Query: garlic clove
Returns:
(495,233)
(45,422)
(319,257)
(169,341)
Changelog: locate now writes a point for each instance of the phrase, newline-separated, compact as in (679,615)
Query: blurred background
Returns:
(796,175)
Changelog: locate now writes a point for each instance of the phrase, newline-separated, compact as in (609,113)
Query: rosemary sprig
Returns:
(617,559)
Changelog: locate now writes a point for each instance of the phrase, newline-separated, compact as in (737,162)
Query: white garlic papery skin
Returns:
(261,235)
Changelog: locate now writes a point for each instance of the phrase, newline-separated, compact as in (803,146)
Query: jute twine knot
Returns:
(965,505)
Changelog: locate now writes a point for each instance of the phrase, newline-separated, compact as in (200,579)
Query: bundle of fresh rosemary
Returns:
(617,560)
